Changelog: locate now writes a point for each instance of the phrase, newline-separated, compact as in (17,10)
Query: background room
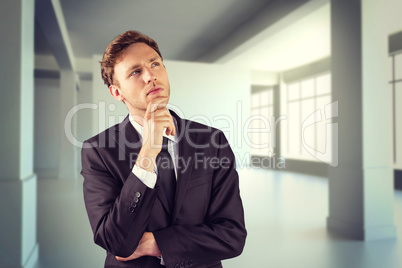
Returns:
(306,91)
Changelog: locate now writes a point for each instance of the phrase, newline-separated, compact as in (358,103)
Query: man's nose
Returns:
(149,76)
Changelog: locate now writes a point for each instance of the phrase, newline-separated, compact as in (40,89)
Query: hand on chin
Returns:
(158,102)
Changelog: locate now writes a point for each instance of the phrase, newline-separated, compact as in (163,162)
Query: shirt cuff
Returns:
(162,262)
(146,177)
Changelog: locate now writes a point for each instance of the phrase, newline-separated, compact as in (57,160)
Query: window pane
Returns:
(271,97)
(307,88)
(323,84)
(264,140)
(255,123)
(308,110)
(265,113)
(255,100)
(284,126)
(293,92)
(321,102)
(283,100)
(260,127)
(323,134)
(254,138)
(300,102)
(273,137)
(265,98)
(294,128)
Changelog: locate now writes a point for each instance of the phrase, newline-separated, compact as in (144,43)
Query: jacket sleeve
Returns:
(222,234)
(118,210)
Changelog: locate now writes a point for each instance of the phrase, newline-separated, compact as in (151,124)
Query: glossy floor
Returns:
(285,219)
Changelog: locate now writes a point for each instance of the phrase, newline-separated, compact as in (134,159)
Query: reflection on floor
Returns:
(285,219)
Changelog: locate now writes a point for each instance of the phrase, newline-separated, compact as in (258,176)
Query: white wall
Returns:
(264,78)
(218,95)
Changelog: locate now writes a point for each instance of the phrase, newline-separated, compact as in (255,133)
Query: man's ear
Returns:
(116,92)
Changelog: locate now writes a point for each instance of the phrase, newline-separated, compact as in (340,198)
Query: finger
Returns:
(134,256)
(149,111)
(172,128)
(167,123)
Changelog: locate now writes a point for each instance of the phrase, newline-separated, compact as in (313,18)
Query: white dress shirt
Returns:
(149,178)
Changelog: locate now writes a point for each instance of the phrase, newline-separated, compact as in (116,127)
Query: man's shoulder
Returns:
(202,130)
(192,126)
(103,136)
(197,125)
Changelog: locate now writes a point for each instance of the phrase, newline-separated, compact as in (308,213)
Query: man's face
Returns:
(141,78)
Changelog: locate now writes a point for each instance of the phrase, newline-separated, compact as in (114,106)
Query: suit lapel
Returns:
(130,144)
(128,140)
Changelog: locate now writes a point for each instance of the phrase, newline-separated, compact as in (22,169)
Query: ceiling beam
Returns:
(49,15)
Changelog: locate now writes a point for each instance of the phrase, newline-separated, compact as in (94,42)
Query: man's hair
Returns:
(116,49)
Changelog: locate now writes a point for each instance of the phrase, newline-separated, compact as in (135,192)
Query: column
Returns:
(68,152)
(18,245)
(361,186)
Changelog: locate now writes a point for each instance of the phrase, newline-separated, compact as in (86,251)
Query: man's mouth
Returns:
(154,90)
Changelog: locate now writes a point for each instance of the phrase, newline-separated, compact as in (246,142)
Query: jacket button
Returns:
(135,200)
(134,205)
(131,209)
(137,194)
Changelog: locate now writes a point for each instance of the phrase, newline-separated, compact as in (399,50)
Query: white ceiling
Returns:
(184,29)
(189,30)
(305,41)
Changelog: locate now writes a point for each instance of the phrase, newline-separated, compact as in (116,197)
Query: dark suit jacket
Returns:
(207,222)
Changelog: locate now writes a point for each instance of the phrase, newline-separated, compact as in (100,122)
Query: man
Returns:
(159,190)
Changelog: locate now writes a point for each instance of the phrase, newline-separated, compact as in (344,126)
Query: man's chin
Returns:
(161,105)
(160,101)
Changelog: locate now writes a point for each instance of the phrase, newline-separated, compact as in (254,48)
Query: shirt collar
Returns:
(139,128)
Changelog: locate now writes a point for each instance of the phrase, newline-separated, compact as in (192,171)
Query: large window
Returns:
(262,109)
(300,100)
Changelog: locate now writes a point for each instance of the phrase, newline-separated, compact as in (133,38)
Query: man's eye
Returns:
(135,72)
(155,64)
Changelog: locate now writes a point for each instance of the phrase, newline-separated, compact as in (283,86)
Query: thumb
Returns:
(121,259)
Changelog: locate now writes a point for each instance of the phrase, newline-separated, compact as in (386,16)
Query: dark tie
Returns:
(166,175)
